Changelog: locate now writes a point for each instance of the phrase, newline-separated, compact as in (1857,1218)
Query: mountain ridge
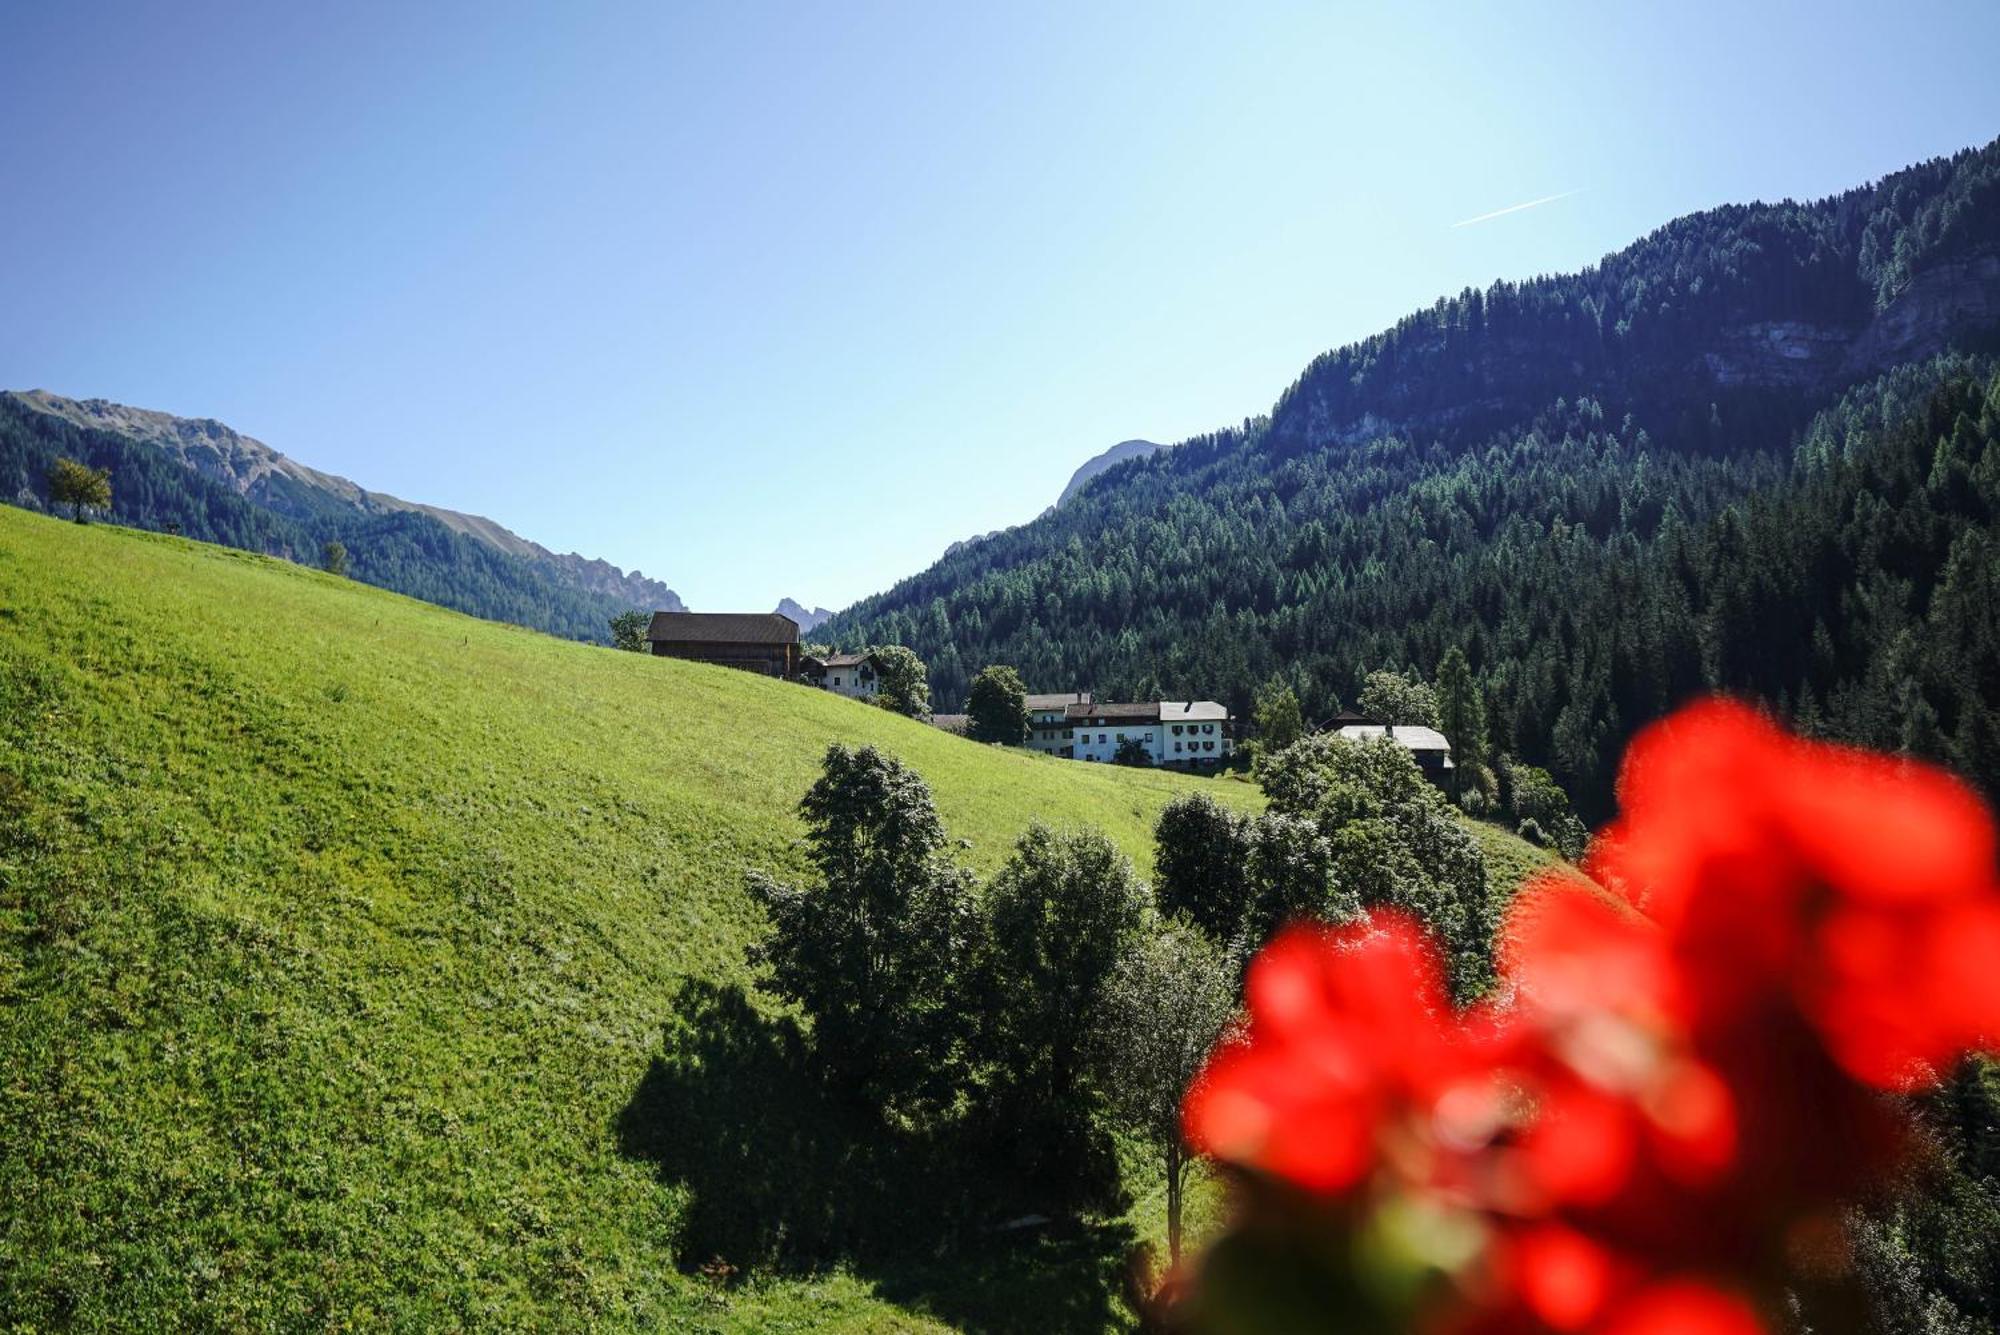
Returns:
(268,477)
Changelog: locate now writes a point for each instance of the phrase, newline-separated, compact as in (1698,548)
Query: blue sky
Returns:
(781,299)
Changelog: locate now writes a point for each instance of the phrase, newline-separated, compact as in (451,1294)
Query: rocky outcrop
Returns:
(1117,454)
(807,618)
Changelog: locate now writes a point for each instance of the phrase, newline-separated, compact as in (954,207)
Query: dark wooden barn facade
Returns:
(766,642)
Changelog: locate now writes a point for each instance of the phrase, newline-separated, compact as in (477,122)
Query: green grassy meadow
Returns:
(339,934)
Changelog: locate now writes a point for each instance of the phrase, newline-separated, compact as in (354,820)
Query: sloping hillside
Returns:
(337,931)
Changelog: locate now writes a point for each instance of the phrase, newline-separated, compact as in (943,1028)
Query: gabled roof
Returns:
(724,627)
(1192,711)
(846,660)
(1058,700)
(1148,712)
(1413,735)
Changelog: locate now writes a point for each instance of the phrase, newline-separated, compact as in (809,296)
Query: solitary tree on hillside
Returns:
(1164,1006)
(80,487)
(628,631)
(871,947)
(333,558)
(901,681)
(998,706)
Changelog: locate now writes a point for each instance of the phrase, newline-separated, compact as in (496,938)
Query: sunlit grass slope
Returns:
(336,930)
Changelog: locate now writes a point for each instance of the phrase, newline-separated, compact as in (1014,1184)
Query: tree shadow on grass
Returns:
(784,1176)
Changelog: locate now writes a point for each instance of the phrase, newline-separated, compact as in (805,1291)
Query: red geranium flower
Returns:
(1351,1040)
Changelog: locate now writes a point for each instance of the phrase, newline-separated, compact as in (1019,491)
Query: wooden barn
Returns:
(766,642)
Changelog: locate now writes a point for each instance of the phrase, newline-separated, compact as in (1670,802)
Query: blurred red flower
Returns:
(1686,1079)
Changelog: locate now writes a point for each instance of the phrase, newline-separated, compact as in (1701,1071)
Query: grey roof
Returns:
(1413,735)
(1148,712)
(724,627)
(1181,711)
(1059,700)
(845,660)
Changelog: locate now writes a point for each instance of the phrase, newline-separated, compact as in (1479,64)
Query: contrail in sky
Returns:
(1516,208)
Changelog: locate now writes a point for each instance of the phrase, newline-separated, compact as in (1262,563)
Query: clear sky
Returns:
(781,299)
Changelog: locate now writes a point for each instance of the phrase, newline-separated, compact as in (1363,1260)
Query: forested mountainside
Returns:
(200,478)
(1751,452)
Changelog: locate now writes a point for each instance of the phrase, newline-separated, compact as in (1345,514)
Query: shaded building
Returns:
(763,642)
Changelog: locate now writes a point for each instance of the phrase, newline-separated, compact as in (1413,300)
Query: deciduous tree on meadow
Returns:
(871,949)
(1200,849)
(1163,1008)
(80,487)
(902,681)
(998,707)
(628,631)
(1060,915)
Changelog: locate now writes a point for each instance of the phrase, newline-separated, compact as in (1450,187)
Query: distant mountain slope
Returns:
(389,540)
(1117,454)
(340,937)
(1508,471)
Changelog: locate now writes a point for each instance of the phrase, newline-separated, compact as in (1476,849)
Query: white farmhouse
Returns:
(1170,732)
(851,675)
(1048,726)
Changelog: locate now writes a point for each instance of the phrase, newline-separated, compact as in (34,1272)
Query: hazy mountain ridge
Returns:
(269,478)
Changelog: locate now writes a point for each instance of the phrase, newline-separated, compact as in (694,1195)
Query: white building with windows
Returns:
(851,675)
(1169,732)
(1048,724)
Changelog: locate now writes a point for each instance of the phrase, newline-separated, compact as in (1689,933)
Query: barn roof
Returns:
(724,627)
(1413,735)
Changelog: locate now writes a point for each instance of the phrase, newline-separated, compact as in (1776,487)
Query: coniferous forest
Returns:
(1754,452)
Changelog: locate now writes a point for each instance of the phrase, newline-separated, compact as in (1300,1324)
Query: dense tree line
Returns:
(1023,1022)
(409,553)
(1589,580)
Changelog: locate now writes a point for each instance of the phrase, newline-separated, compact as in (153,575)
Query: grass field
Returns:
(338,937)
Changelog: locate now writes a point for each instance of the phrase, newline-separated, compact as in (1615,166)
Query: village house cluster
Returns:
(1074,725)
